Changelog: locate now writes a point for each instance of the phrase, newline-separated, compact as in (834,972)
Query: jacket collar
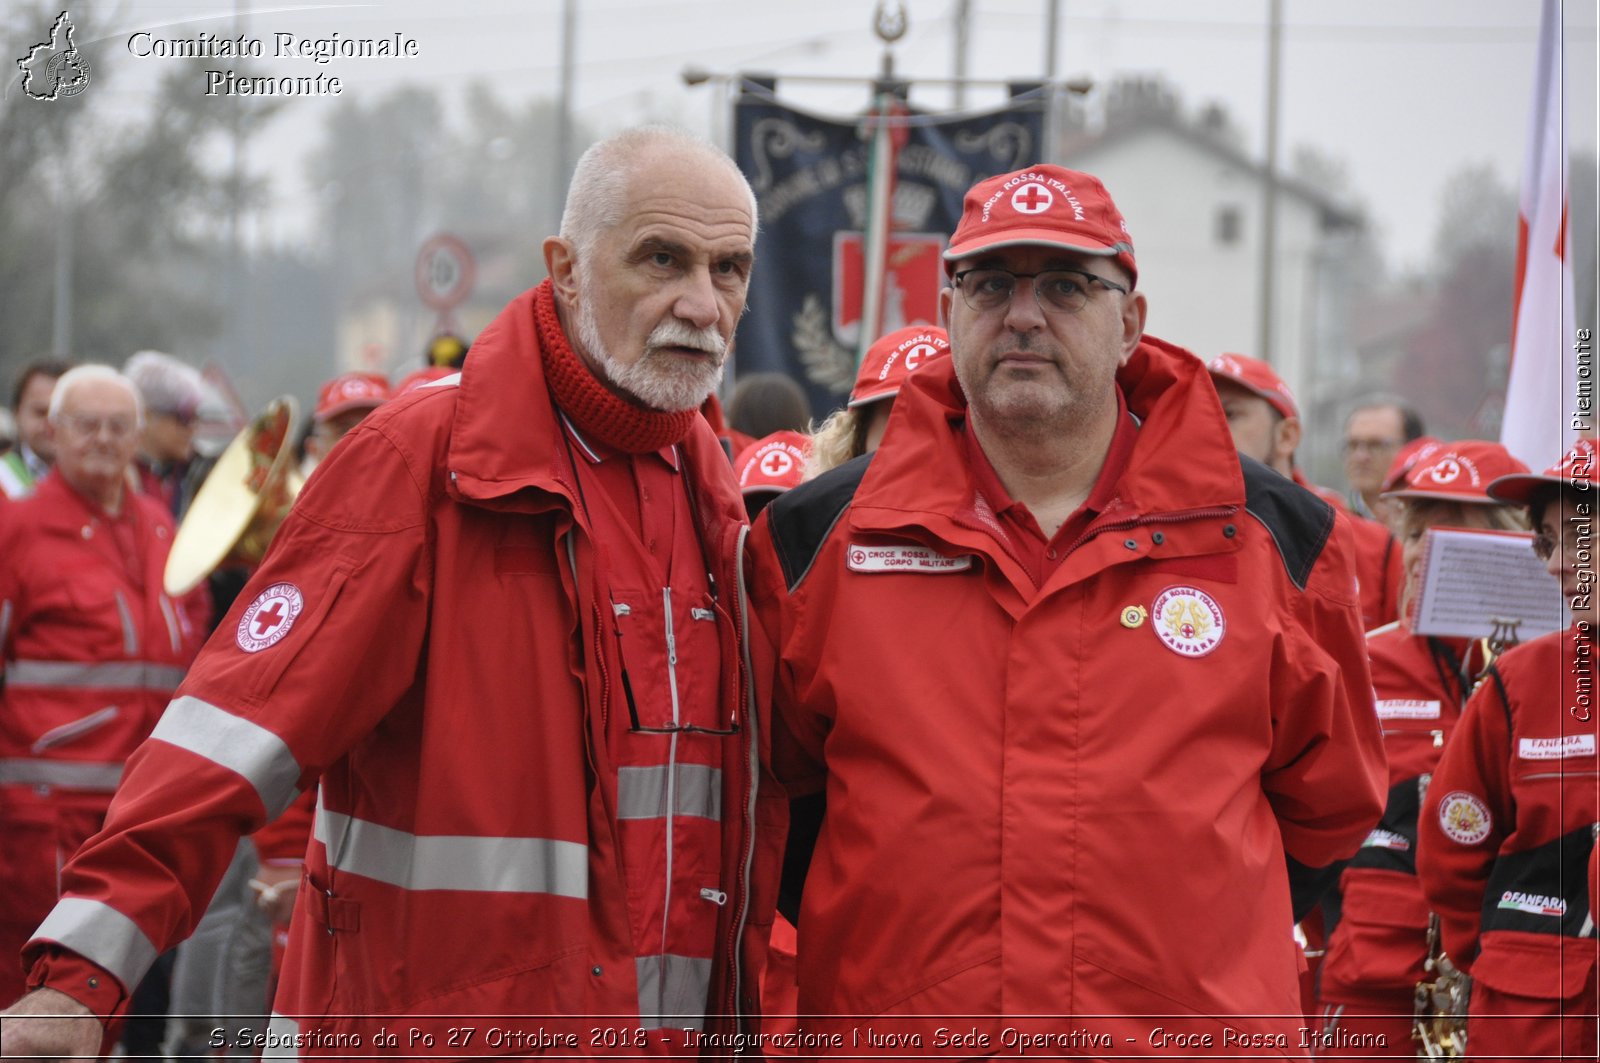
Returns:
(1183,459)
(506,438)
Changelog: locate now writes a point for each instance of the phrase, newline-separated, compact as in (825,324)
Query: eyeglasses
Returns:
(1371,446)
(636,728)
(1544,546)
(88,427)
(1057,291)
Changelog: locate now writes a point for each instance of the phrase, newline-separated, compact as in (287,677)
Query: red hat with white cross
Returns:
(1459,472)
(1041,206)
(773,463)
(892,358)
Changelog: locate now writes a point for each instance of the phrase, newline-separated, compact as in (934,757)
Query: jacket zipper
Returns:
(672,772)
(741,889)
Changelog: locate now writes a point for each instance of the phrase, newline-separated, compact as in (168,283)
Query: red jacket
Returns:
(1508,825)
(1376,951)
(433,650)
(90,654)
(1075,800)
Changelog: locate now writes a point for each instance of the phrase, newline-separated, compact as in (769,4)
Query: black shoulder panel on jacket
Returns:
(1298,520)
(801,518)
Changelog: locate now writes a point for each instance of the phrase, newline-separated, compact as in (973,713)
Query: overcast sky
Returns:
(1403,93)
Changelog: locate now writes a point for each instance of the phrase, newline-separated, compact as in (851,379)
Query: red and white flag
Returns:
(1542,392)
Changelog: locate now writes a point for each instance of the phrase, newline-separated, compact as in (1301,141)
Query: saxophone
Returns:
(1439,1007)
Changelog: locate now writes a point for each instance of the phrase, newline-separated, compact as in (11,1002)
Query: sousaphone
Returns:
(242,501)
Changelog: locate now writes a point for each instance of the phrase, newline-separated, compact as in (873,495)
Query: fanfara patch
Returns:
(1188,621)
(269,617)
(1464,817)
(1407,709)
(861,558)
(1556,748)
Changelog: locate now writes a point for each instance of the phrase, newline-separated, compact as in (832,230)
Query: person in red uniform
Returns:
(858,428)
(502,628)
(1508,826)
(1265,422)
(1376,951)
(1145,650)
(92,647)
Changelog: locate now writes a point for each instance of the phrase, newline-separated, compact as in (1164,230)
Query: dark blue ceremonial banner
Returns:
(810,177)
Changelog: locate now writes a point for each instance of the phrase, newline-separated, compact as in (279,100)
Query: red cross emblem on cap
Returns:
(1032,198)
(776,463)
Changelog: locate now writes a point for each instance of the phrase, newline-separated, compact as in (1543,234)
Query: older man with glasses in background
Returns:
(1107,794)
(92,646)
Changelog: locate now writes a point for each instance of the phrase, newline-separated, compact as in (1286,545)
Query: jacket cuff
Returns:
(84,981)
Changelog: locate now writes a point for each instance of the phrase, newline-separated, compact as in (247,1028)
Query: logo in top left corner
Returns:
(268,619)
(55,68)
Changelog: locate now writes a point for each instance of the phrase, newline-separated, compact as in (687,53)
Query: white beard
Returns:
(661,381)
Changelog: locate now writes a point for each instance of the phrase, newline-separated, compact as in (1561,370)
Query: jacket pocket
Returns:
(1537,966)
(75,729)
(1382,937)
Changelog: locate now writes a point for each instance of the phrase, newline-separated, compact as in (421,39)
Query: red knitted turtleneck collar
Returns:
(595,409)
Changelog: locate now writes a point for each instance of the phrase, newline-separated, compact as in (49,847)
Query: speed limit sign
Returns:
(445,272)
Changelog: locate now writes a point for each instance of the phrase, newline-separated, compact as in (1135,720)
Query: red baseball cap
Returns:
(1459,472)
(350,391)
(891,358)
(1575,469)
(773,463)
(422,378)
(1048,206)
(1256,377)
(1421,448)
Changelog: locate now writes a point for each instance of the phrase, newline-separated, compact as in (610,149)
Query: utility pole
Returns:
(963,20)
(563,149)
(1269,196)
(1052,28)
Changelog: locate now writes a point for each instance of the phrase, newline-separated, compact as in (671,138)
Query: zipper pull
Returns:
(716,897)
(1438,740)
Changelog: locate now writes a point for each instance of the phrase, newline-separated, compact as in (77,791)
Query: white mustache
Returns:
(674,333)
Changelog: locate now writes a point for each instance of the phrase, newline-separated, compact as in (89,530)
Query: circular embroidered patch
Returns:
(1464,817)
(269,618)
(1188,621)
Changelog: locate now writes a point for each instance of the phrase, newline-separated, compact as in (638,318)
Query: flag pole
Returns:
(890,24)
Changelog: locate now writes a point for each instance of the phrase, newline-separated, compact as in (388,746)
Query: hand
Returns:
(275,886)
(48,1025)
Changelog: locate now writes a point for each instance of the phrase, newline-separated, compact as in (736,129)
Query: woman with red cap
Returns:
(859,427)
(1506,833)
(1377,946)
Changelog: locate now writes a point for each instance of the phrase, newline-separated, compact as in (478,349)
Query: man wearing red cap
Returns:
(1108,786)
(1507,830)
(1265,422)
(343,403)
(501,631)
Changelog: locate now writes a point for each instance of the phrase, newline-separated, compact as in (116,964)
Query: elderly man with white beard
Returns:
(501,631)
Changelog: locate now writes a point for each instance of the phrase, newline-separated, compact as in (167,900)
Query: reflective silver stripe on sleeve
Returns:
(96,675)
(672,991)
(283,1038)
(100,933)
(236,744)
(76,775)
(453,861)
(642,792)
